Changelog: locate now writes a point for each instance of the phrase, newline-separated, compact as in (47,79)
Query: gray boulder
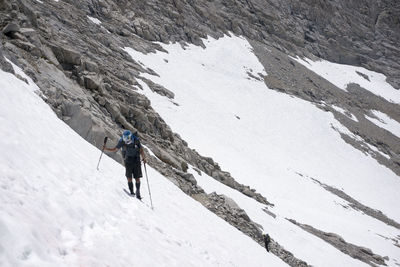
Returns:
(91,82)
(166,157)
(10,28)
(90,66)
(28,32)
(66,55)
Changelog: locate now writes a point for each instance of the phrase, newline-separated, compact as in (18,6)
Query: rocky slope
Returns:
(362,33)
(87,78)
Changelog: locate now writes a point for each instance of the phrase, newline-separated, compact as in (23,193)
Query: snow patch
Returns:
(341,75)
(344,112)
(94,20)
(374,148)
(385,122)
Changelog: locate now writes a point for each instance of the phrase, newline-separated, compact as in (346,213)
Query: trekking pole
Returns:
(105,141)
(148,186)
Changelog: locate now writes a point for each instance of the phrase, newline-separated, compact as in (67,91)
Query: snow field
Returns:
(56,209)
(276,137)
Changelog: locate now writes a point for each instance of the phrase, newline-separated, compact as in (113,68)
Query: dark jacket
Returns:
(131,150)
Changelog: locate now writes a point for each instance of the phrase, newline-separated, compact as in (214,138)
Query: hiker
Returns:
(131,152)
(267,240)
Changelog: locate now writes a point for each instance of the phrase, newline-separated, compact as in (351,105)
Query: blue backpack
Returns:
(131,147)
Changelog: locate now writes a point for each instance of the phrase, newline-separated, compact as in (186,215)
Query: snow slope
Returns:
(275,143)
(56,209)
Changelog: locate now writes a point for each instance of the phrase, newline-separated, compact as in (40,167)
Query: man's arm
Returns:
(115,149)
(110,149)
(142,154)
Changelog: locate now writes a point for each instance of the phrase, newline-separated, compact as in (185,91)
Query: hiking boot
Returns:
(138,195)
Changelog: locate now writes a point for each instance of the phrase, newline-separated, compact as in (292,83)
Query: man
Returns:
(131,152)
(267,240)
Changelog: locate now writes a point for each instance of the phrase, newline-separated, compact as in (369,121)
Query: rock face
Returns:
(353,32)
(92,83)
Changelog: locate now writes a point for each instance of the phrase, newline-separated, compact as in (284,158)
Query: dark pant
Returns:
(133,168)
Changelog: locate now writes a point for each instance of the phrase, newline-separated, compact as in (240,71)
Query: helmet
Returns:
(126,136)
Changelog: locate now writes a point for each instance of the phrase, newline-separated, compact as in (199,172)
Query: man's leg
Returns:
(137,173)
(138,188)
(130,185)
(128,174)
